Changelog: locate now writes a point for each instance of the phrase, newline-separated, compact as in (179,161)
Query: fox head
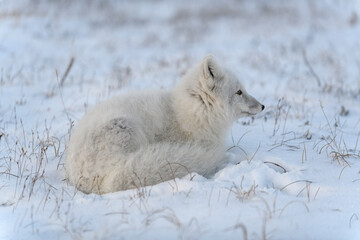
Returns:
(225,87)
(212,98)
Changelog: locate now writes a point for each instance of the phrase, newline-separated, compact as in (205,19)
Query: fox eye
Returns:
(239,92)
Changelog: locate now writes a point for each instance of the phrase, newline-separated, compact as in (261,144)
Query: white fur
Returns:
(143,138)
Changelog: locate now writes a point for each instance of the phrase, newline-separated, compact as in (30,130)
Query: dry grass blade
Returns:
(252,157)
(327,120)
(267,206)
(242,227)
(306,181)
(67,71)
(351,218)
(304,155)
(292,202)
(311,68)
(10,174)
(166,213)
(342,170)
(278,165)
(238,148)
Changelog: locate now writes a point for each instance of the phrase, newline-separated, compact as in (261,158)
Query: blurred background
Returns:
(115,43)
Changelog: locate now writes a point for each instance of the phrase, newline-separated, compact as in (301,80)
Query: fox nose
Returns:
(262,107)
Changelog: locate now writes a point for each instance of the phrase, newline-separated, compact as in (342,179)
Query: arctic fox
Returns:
(147,137)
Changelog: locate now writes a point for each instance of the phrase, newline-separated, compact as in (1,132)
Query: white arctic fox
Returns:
(147,137)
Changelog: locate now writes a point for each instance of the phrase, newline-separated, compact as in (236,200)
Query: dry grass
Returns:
(27,159)
(280,113)
(243,229)
(243,194)
(335,146)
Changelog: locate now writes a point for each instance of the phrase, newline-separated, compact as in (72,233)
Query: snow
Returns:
(293,171)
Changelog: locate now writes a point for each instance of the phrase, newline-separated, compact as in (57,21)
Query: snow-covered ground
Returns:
(295,168)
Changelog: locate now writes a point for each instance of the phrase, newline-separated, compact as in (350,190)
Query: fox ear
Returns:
(211,71)
(210,67)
